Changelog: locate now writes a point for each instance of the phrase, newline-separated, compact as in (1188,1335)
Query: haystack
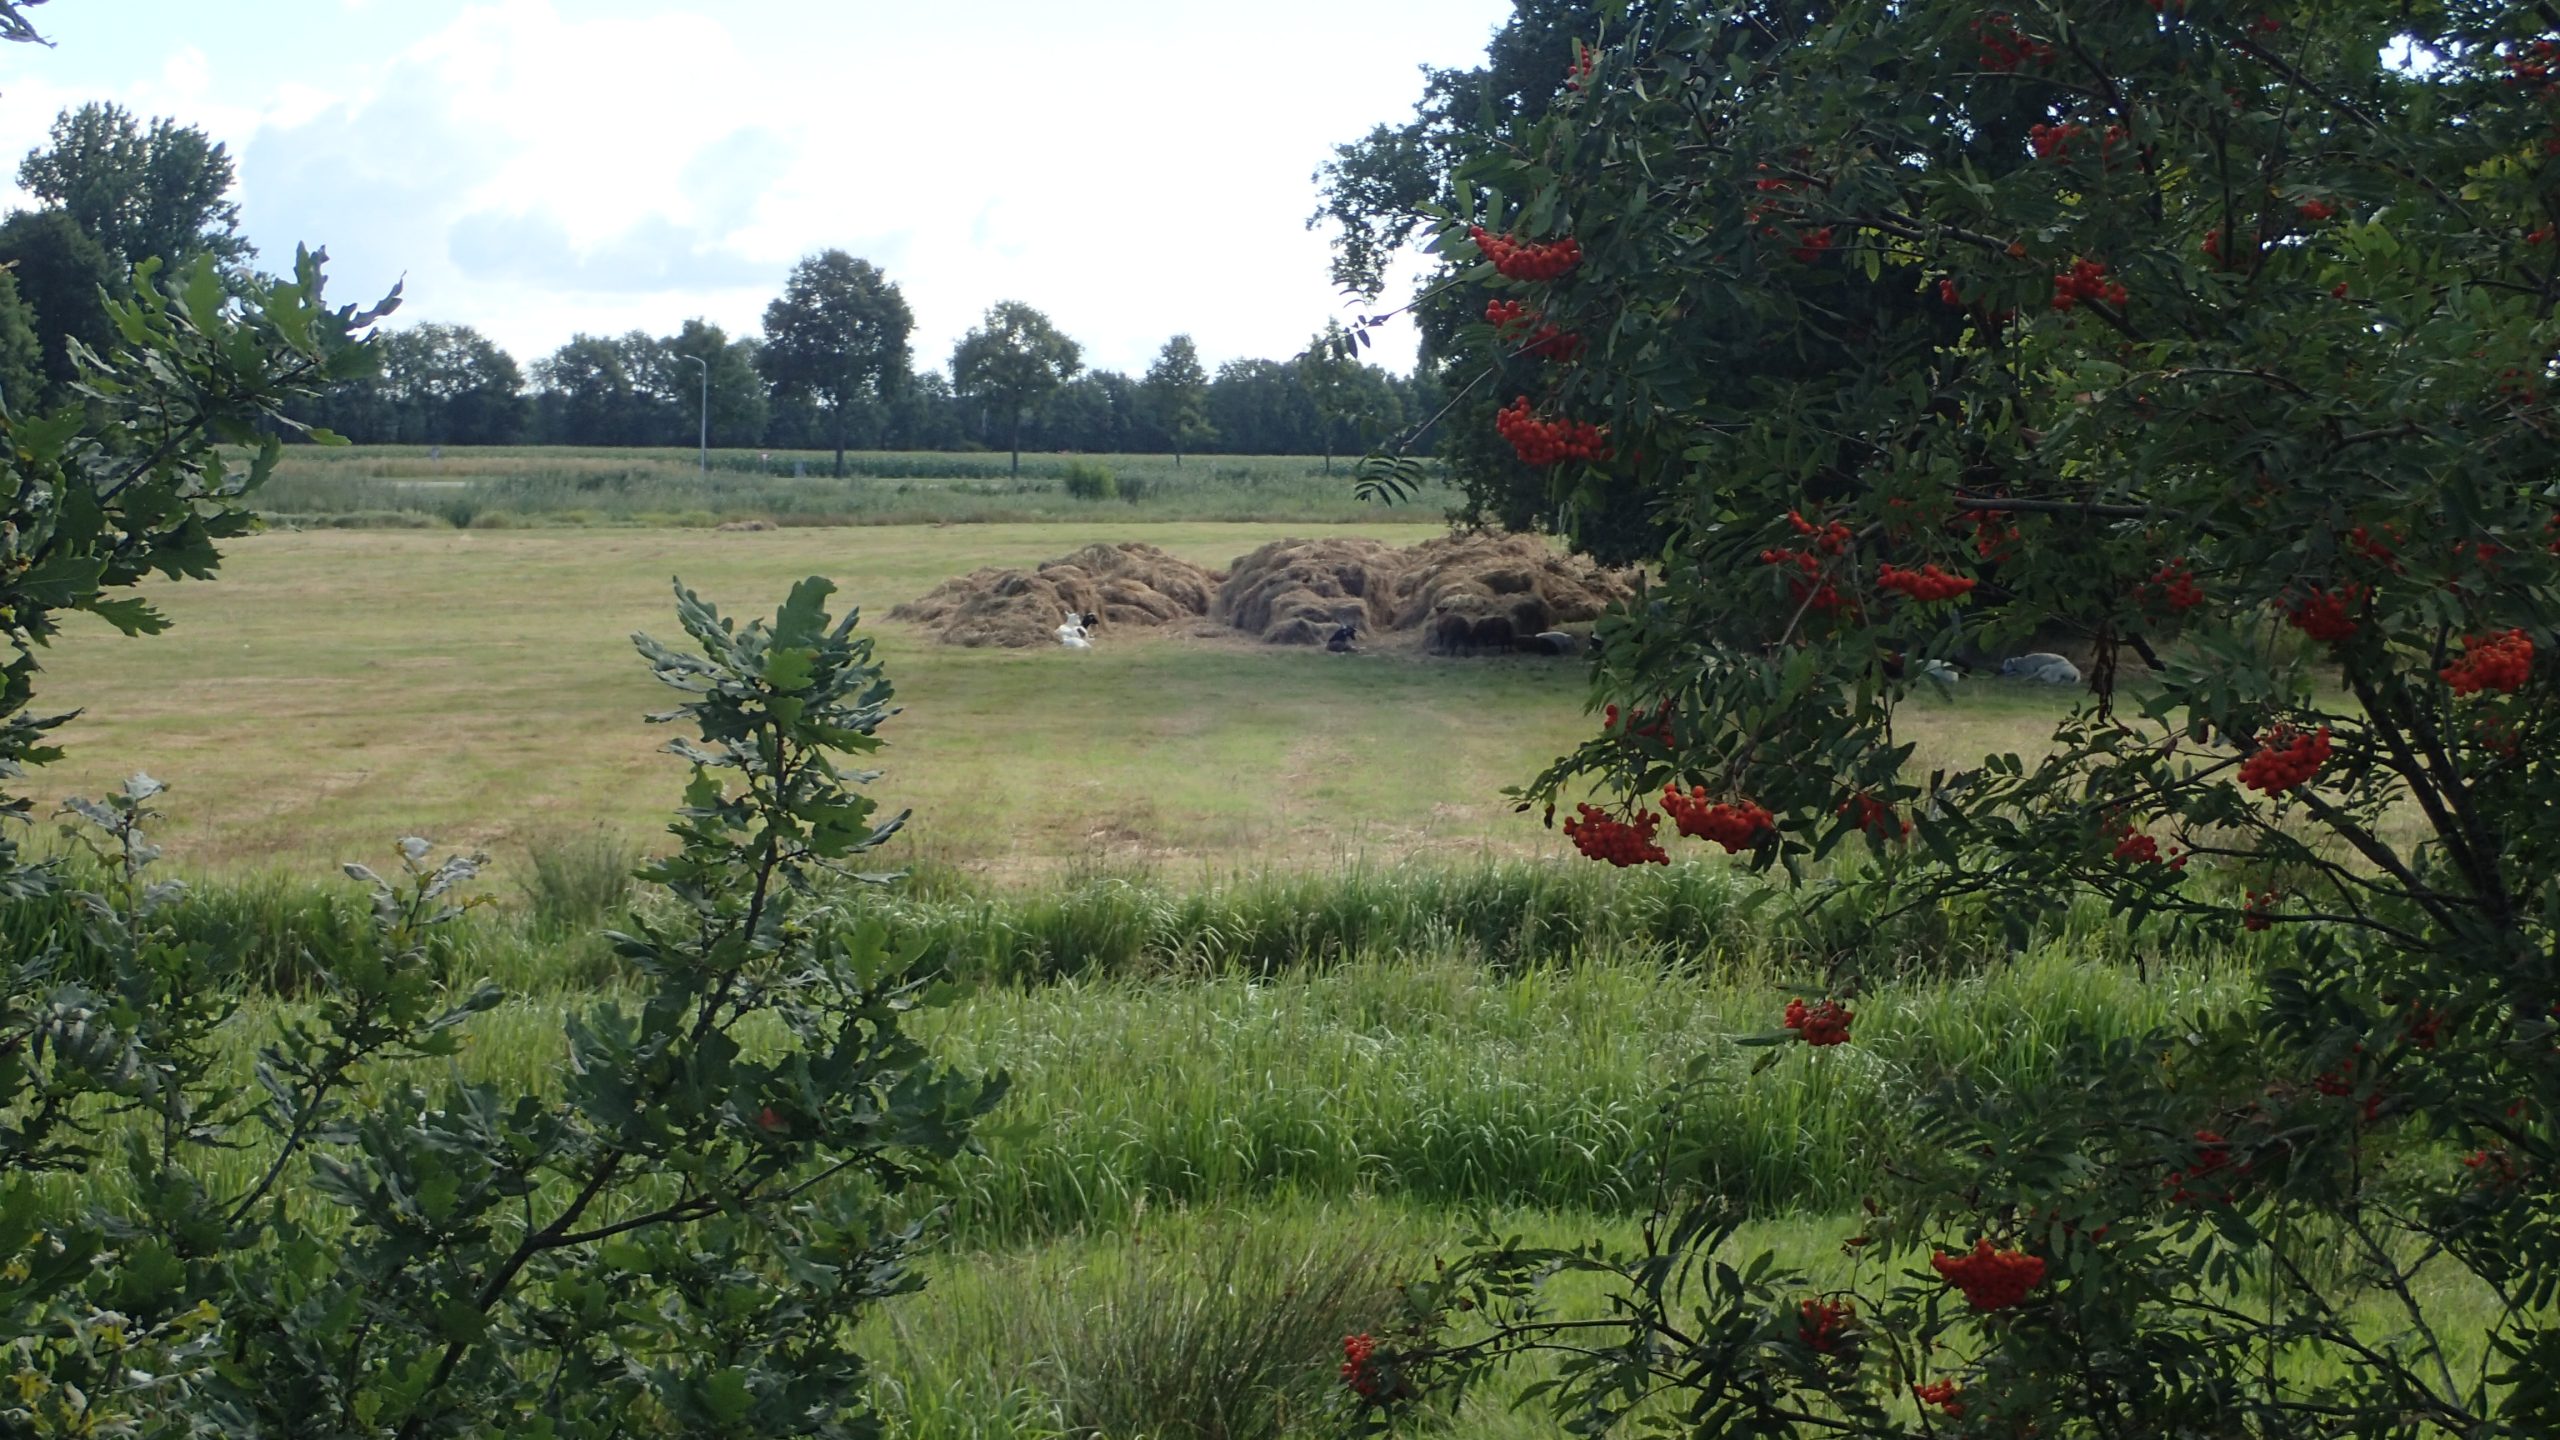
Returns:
(1128,584)
(1296,592)
(1520,578)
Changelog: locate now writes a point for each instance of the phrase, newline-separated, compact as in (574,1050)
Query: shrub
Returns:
(683,1239)
(1087,481)
(576,879)
(680,1241)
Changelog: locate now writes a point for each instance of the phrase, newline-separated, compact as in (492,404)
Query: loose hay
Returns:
(1128,584)
(1471,592)
(1294,592)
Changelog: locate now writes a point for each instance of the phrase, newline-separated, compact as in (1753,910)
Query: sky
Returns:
(540,168)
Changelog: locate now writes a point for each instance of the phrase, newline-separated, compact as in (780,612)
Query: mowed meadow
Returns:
(1293,1001)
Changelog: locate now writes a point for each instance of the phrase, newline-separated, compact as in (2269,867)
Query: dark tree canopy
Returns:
(140,191)
(837,337)
(21,352)
(1012,362)
(65,278)
(1176,393)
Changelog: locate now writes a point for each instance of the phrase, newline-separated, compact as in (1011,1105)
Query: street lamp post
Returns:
(706,408)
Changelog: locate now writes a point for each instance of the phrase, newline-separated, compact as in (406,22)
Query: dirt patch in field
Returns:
(1130,584)
(1459,591)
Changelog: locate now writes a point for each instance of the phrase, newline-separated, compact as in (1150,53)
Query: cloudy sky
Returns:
(537,168)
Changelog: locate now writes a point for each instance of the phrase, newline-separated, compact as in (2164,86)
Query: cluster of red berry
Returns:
(1941,1393)
(1874,816)
(2425,1027)
(2343,1082)
(1831,537)
(1603,836)
(2536,65)
(1810,245)
(2540,235)
(1823,1324)
(1356,1353)
(1521,260)
(2316,211)
(2285,760)
(2087,280)
(2134,846)
(2260,911)
(1990,1279)
(1807,586)
(1926,583)
(2173,585)
(1585,60)
(2491,662)
(1654,725)
(1520,325)
(1994,538)
(1550,442)
(1737,827)
(2495,1168)
(1825,1023)
(2213,1155)
(2053,142)
(2380,548)
(2323,613)
(2005,48)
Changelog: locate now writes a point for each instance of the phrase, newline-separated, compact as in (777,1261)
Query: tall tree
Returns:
(139,191)
(450,385)
(65,278)
(1012,362)
(1260,407)
(837,337)
(1177,397)
(586,393)
(21,353)
(739,408)
(1336,384)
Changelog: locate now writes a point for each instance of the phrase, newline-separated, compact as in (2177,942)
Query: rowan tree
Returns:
(2221,337)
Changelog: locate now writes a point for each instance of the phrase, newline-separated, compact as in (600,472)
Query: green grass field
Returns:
(336,689)
(1290,994)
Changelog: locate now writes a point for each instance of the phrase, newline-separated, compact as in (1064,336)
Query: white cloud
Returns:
(548,166)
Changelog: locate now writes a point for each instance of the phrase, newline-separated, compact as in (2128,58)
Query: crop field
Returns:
(1292,1000)
(502,487)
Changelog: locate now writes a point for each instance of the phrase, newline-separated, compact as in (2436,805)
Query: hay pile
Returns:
(1521,578)
(1462,591)
(1296,592)
(1128,584)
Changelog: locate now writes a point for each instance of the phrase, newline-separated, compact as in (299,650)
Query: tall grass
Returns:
(1439,1081)
(514,487)
(1100,924)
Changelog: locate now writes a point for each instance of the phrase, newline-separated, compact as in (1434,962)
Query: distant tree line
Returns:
(833,369)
